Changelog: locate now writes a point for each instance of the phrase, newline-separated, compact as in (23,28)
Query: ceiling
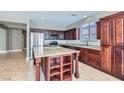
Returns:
(48,19)
(13,25)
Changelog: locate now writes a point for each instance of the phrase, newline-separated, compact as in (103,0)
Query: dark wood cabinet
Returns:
(58,68)
(93,58)
(118,61)
(71,34)
(98,30)
(112,44)
(88,56)
(83,55)
(106,58)
(50,34)
(112,29)
(106,32)
(118,30)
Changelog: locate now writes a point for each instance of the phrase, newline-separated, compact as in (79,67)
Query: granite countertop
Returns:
(95,47)
(52,51)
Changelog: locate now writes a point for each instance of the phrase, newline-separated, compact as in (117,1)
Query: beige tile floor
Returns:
(14,67)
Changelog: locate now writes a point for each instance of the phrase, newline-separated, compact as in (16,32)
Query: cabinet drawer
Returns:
(92,62)
(93,57)
(96,52)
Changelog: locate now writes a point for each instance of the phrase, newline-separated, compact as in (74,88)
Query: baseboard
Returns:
(27,58)
(3,51)
(15,50)
(11,51)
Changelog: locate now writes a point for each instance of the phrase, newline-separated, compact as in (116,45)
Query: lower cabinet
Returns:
(88,56)
(93,58)
(83,55)
(106,58)
(118,61)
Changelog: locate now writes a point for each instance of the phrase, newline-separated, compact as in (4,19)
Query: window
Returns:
(88,32)
(84,32)
(92,31)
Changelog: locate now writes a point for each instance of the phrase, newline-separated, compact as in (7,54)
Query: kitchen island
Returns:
(57,63)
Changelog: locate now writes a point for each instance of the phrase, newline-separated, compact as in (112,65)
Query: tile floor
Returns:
(14,67)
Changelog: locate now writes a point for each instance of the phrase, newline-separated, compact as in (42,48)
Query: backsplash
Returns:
(46,42)
(83,43)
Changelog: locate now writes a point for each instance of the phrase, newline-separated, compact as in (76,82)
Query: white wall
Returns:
(2,39)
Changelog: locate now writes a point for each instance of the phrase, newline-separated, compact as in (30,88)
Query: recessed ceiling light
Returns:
(84,16)
(42,18)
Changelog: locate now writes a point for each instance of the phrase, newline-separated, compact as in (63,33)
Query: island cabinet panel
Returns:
(106,32)
(106,58)
(98,31)
(93,58)
(118,61)
(57,68)
(118,30)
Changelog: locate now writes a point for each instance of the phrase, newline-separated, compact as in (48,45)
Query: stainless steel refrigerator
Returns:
(37,40)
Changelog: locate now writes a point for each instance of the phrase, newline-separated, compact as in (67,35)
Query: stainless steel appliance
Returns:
(37,40)
(53,43)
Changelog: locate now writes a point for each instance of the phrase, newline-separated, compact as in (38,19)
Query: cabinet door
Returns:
(106,32)
(118,30)
(74,34)
(93,58)
(118,62)
(83,55)
(106,58)
(98,30)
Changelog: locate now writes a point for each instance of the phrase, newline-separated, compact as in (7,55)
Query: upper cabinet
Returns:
(71,34)
(112,29)
(50,34)
(106,32)
(118,30)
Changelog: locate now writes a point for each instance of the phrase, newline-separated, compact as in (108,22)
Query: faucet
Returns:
(86,41)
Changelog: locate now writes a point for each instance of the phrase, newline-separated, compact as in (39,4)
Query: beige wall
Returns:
(2,39)
(11,39)
(15,39)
